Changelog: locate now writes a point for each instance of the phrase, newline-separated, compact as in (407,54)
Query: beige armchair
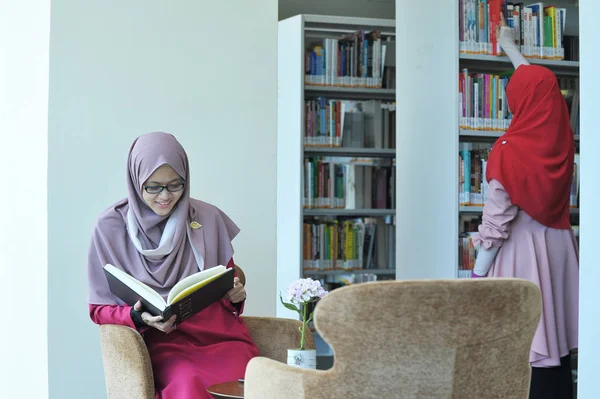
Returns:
(458,339)
(127,368)
(128,371)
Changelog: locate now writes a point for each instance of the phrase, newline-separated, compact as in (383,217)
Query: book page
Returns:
(140,288)
(182,288)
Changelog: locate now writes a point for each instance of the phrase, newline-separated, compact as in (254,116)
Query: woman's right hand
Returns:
(504,33)
(156,321)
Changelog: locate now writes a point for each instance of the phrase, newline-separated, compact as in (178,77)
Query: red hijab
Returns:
(534,159)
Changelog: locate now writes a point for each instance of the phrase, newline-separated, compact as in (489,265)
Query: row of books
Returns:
(349,183)
(484,107)
(539,29)
(473,186)
(467,253)
(483,101)
(353,60)
(352,124)
(350,244)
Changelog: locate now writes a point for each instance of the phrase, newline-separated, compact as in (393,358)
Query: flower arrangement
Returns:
(299,295)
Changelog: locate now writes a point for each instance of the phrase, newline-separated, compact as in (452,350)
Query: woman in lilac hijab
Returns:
(160,235)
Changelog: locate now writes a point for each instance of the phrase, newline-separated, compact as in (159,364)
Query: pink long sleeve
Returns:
(111,314)
(498,213)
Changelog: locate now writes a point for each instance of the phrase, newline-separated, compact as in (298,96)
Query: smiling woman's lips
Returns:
(163,204)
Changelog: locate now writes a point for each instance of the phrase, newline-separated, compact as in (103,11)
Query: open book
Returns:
(186,298)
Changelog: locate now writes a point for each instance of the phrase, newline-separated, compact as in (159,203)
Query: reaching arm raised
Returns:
(506,38)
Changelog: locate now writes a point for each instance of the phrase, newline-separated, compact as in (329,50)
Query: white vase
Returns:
(306,359)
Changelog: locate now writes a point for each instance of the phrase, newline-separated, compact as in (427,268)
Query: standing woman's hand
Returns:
(237,293)
(505,36)
(504,33)
(156,321)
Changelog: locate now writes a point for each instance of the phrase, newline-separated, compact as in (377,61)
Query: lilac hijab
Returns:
(157,250)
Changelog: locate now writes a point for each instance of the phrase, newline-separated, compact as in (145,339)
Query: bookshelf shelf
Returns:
(349,212)
(479,209)
(471,209)
(350,152)
(383,272)
(483,134)
(480,134)
(357,93)
(492,62)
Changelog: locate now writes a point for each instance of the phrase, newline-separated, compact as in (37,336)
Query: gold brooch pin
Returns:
(195,225)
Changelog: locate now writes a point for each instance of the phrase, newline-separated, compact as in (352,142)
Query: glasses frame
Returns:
(162,188)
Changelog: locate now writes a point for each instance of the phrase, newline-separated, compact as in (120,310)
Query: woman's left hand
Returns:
(237,293)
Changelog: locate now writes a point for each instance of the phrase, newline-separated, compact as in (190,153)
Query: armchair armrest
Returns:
(269,379)
(127,367)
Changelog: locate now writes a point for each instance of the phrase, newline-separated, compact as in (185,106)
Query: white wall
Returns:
(24,41)
(427,212)
(589,296)
(203,71)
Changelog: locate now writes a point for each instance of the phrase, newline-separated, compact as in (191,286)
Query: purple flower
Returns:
(303,291)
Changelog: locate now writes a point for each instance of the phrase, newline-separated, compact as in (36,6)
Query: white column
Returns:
(24,47)
(589,296)
(427,139)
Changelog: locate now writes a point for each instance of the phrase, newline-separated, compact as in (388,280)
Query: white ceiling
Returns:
(346,8)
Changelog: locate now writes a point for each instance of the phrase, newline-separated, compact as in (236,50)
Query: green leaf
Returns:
(290,306)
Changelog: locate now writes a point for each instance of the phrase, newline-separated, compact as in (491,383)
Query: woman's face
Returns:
(162,190)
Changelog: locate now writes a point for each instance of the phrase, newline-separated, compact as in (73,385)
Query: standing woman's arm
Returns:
(506,38)
(498,213)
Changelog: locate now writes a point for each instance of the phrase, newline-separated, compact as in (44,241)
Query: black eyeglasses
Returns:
(172,188)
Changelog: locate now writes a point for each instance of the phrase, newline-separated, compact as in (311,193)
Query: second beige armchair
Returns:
(419,340)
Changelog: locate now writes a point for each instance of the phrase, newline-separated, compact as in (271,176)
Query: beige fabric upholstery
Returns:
(127,368)
(457,339)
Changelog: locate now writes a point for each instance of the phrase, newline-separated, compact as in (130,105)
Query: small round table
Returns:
(233,389)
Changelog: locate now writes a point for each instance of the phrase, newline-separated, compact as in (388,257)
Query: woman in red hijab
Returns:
(526,231)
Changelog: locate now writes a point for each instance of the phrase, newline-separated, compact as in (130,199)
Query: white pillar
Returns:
(589,296)
(24,47)
(427,139)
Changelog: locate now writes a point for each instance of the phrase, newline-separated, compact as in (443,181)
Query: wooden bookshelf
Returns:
(296,35)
